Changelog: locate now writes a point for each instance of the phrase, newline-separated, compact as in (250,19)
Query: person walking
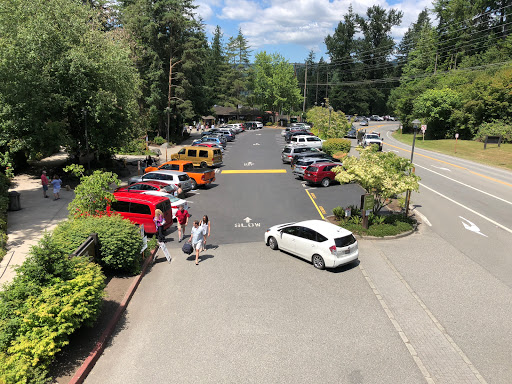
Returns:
(206,224)
(196,238)
(159,221)
(182,218)
(44,182)
(179,192)
(56,183)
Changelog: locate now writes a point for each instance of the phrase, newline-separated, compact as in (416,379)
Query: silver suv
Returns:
(291,150)
(166,176)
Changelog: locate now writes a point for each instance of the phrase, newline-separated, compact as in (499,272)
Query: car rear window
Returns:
(216,151)
(169,188)
(183,177)
(303,163)
(287,150)
(312,169)
(344,241)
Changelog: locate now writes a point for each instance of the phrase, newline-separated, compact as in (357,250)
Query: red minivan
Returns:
(140,209)
(320,173)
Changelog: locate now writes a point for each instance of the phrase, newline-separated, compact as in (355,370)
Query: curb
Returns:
(400,235)
(90,361)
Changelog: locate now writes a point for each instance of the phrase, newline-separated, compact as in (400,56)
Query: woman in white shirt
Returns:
(206,225)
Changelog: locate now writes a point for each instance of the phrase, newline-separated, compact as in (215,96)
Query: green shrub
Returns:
(159,140)
(339,212)
(50,297)
(378,225)
(119,240)
(269,124)
(332,146)
(495,128)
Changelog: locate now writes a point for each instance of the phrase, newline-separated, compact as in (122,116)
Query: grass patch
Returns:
(466,149)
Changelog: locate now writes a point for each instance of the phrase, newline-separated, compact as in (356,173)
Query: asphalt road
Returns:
(417,309)
(466,203)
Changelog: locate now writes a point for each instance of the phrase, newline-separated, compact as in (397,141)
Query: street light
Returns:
(415,124)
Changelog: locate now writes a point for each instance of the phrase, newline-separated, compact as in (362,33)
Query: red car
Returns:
(320,173)
(140,209)
(144,186)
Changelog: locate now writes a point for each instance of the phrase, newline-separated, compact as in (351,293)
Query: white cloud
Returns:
(302,22)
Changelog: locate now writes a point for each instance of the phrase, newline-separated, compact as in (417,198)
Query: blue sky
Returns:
(293,27)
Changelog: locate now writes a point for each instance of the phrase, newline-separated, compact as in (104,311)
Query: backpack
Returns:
(187,248)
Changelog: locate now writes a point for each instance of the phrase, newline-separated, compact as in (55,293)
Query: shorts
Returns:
(45,187)
(181,225)
(198,246)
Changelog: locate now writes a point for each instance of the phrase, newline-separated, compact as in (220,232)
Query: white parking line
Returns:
(469,209)
(466,185)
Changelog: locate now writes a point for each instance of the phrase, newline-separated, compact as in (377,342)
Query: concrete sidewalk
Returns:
(37,215)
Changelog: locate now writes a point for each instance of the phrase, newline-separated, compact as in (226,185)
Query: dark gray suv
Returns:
(290,151)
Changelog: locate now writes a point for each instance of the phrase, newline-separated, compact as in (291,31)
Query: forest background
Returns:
(102,75)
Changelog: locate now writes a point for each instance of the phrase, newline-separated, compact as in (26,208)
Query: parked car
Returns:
(364,123)
(301,164)
(176,202)
(352,133)
(320,173)
(371,139)
(198,176)
(169,177)
(204,157)
(311,141)
(210,139)
(289,151)
(228,134)
(150,185)
(209,144)
(324,244)
(296,132)
(301,125)
(140,209)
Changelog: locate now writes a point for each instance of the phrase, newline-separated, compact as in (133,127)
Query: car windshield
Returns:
(373,137)
(169,189)
(345,241)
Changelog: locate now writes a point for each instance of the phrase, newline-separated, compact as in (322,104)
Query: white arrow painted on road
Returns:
(250,163)
(444,169)
(217,170)
(256,144)
(258,134)
(471,226)
(247,219)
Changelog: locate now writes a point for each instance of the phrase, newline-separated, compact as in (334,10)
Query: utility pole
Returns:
(327,87)
(317,72)
(305,86)
(435,65)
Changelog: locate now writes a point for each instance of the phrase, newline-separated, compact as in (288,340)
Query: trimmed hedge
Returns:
(332,146)
(50,297)
(119,240)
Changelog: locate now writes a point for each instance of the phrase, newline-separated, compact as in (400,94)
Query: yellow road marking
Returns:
(453,165)
(255,171)
(313,195)
(322,209)
(309,194)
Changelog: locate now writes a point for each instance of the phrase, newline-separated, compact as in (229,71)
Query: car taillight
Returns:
(203,177)
(333,250)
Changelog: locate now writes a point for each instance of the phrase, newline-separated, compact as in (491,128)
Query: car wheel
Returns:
(326,182)
(318,262)
(194,184)
(272,243)
(203,164)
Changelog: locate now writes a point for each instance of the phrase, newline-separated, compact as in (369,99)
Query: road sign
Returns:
(369,202)
(423,128)
(456,135)
(164,249)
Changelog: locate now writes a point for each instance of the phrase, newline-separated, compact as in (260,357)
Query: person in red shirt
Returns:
(44,182)
(182,218)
